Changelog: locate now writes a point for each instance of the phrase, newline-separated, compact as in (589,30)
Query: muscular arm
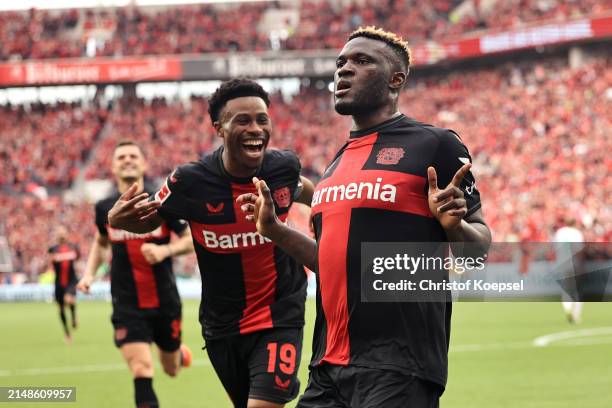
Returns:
(472,230)
(296,244)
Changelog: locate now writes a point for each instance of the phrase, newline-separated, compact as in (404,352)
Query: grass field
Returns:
(493,362)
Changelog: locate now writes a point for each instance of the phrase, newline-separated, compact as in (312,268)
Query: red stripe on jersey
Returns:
(64,267)
(144,278)
(259,273)
(352,187)
(332,251)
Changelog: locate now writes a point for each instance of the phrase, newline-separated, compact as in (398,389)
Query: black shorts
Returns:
(60,292)
(261,365)
(332,386)
(163,330)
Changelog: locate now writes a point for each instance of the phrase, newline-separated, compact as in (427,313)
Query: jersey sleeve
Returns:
(101,220)
(451,155)
(171,195)
(293,168)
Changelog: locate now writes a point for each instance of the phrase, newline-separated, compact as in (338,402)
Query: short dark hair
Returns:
(126,142)
(397,43)
(232,89)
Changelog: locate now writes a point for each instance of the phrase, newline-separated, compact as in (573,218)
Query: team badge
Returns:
(389,155)
(215,210)
(282,197)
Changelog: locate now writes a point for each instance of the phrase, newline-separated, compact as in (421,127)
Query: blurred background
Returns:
(526,83)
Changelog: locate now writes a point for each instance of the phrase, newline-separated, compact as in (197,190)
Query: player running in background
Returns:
(63,255)
(146,302)
(253,294)
(569,243)
(395,180)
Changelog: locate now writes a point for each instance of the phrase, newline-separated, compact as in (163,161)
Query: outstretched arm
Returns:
(260,210)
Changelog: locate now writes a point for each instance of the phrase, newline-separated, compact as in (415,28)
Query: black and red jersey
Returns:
(135,284)
(375,190)
(63,257)
(248,283)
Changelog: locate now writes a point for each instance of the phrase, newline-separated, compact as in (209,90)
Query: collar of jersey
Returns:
(238,180)
(376,129)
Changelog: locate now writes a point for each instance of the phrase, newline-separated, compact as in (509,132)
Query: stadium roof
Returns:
(62,4)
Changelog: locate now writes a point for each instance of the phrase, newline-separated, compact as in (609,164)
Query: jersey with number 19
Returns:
(248,283)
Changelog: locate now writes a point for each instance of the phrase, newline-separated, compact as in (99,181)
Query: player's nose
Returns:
(255,129)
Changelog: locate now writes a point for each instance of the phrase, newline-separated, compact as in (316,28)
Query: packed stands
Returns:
(126,31)
(45,144)
(541,154)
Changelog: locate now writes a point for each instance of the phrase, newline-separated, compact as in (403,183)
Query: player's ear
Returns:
(398,79)
(218,128)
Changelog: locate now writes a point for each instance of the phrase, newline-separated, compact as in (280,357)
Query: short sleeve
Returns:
(294,168)
(172,197)
(101,219)
(450,156)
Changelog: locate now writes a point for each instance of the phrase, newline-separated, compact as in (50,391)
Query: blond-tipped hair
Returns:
(396,42)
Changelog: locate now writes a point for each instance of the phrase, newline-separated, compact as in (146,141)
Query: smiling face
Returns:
(128,164)
(245,126)
(362,77)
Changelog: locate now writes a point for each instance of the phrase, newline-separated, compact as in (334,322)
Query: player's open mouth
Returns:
(254,146)
(342,88)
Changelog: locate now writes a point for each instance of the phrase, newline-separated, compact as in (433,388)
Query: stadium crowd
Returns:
(45,144)
(537,133)
(208,28)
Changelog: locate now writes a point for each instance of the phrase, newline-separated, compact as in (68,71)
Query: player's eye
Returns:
(339,63)
(363,61)
(263,120)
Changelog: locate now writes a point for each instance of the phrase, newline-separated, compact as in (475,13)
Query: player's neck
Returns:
(235,170)
(374,118)
(123,185)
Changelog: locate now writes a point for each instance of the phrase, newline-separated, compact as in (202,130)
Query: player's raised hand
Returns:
(259,208)
(154,253)
(85,284)
(131,208)
(447,205)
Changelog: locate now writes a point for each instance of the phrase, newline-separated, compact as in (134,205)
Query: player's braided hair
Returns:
(232,89)
(397,43)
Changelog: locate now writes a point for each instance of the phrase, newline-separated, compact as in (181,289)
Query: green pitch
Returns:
(493,362)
